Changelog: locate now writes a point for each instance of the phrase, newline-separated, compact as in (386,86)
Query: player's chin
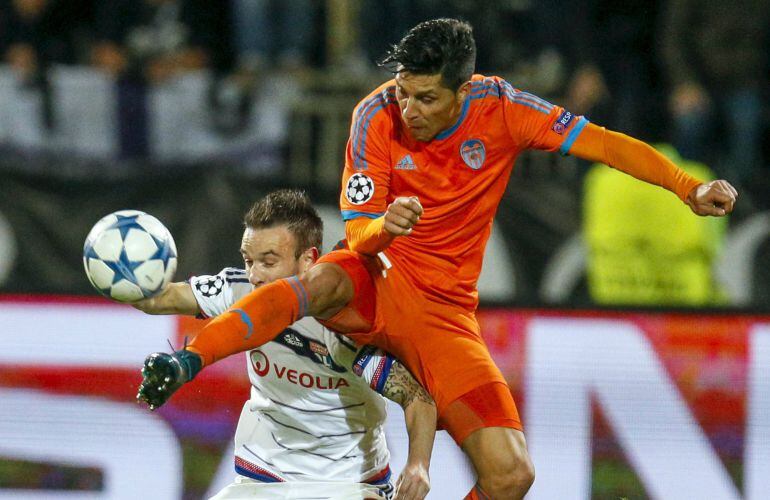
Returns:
(421,134)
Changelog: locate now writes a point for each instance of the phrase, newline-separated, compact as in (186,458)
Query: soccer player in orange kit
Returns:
(429,157)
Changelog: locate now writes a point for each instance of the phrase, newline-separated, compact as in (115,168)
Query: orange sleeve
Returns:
(367,236)
(633,157)
(255,319)
(366,176)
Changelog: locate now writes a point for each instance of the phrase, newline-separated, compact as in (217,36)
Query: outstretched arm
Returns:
(176,298)
(642,161)
(420,415)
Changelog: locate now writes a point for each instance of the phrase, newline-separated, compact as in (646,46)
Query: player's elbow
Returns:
(419,403)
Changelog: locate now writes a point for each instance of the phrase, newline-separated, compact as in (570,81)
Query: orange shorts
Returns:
(439,342)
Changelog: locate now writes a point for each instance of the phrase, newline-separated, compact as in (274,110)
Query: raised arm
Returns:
(552,128)
(642,161)
(420,415)
(176,298)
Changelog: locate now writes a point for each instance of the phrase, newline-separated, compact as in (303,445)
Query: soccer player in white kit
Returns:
(315,417)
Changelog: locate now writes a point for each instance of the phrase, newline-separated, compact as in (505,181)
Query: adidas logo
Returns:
(406,163)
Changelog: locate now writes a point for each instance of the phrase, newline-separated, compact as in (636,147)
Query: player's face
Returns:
(427,107)
(269,255)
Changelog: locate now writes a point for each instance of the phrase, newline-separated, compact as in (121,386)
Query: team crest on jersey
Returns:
(360,189)
(473,153)
(210,287)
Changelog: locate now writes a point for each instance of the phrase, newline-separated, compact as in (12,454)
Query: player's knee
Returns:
(329,289)
(511,479)
(523,474)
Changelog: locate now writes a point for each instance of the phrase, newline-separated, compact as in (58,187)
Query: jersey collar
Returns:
(447,132)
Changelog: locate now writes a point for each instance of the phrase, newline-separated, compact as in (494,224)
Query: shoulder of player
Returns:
(371,105)
(226,273)
(227,277)
(236,275)
(504,92)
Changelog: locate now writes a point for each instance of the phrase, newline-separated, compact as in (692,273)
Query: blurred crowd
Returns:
(690,72)
(250,83)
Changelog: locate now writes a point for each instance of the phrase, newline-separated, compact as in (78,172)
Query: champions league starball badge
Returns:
(360,189)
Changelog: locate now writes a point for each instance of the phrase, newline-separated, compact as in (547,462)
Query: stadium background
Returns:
(653,391)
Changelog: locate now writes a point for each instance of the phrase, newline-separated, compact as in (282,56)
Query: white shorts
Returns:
(246,488)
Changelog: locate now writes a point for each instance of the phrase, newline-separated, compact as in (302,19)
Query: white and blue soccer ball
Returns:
(129,255)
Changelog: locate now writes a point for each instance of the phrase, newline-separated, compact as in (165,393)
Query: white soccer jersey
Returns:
(313,414)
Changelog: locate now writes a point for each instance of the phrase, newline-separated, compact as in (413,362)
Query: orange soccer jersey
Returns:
(459,177)
(425,306)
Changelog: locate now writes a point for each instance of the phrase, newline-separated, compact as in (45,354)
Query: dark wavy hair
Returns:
(290,207)
(444,46)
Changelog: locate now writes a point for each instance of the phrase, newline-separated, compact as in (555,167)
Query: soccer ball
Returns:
(129,255)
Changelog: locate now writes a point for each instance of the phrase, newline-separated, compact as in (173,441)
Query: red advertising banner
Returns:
(639,404)
(614,405)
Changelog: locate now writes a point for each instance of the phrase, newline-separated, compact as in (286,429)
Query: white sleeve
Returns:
(374,366)
(215,294)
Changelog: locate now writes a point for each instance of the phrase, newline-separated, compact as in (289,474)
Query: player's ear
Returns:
(463,92)
(308,258)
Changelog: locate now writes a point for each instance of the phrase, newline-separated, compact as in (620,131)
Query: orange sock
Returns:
(252,321)
(476,494)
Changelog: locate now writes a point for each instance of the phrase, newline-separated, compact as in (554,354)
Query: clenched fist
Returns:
(715,198)
(402,215)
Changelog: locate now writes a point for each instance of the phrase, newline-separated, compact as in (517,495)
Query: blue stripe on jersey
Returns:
(246,320)
(360,116)
(361,126)
(446,133)
(532,97)
(237,280)
(230,271)
(354,214)
(301,293)
(360,159)
(526,99)
(574,133)
(482,90)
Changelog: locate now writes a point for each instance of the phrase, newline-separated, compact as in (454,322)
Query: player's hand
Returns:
(413,483)
(402,215)
(163,374)
(715,198)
